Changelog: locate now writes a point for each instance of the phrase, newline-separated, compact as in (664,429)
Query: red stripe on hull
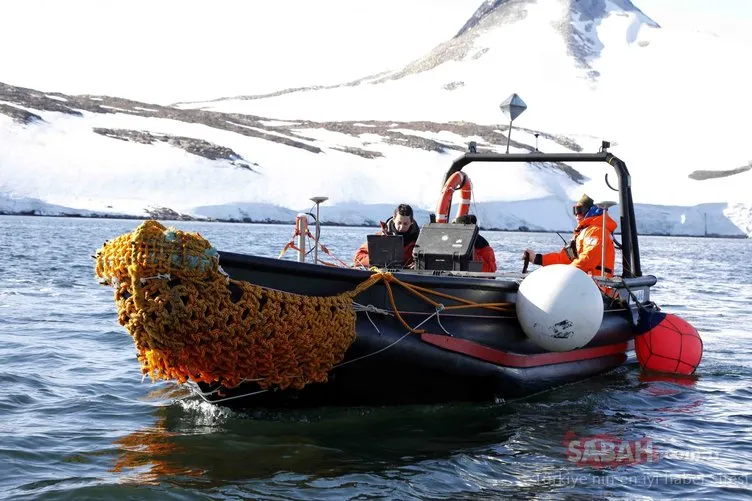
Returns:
(508,359)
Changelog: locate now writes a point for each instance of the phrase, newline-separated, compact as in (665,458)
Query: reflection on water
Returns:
(195,444)
(150,454)
(326,442)
(654,382)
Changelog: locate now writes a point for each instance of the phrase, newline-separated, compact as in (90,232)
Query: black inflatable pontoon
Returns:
(470,354)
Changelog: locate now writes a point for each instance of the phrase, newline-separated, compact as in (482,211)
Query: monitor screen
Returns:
(385,251)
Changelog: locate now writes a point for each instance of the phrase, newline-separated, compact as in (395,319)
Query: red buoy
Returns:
(669,344)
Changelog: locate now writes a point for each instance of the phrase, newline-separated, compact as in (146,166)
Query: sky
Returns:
(157,51)
(726,17)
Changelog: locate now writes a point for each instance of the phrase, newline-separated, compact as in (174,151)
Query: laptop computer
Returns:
(385,251)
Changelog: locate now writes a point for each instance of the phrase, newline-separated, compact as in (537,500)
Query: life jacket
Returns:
(484,253)
(585,249)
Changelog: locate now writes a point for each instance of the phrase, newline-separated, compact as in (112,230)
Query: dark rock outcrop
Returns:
(289,133)
(701,175)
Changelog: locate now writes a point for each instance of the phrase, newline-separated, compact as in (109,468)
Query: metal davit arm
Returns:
(468,158)
(630,251)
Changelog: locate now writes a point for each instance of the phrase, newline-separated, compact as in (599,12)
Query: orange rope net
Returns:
(190,325)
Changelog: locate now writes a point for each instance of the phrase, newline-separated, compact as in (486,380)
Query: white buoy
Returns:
(559,307)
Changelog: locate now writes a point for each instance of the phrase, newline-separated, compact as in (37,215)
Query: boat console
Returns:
(444,246)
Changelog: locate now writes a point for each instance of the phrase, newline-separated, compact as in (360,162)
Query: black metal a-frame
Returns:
(630,246)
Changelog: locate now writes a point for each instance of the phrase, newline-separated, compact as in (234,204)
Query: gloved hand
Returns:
(529,254)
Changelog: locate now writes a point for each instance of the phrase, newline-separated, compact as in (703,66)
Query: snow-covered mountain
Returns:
(588,69)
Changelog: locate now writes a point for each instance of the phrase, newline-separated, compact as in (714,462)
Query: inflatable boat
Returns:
(253,331)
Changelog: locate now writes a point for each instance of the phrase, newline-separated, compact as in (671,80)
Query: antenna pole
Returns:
(509,134)
(512,107)
(317,201)
(301,228)
(603,245)
(604,206)
(318,233)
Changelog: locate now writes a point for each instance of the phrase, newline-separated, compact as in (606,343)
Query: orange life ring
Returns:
(457,181)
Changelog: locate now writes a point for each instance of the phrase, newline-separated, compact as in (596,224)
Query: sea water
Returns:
(78,422)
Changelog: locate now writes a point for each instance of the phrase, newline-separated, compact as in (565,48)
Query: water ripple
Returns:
(78,422)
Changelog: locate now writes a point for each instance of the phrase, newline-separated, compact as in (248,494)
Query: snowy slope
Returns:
(588,69)
(670,101)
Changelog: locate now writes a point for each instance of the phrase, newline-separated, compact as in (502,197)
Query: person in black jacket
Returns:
(402,223)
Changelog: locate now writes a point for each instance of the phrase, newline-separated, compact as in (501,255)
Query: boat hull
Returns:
(471,354)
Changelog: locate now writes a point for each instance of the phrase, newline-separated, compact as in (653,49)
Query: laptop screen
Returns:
(385,251)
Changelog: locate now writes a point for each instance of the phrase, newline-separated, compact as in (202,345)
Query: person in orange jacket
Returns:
(401,223)
(482,250)
(586,248)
